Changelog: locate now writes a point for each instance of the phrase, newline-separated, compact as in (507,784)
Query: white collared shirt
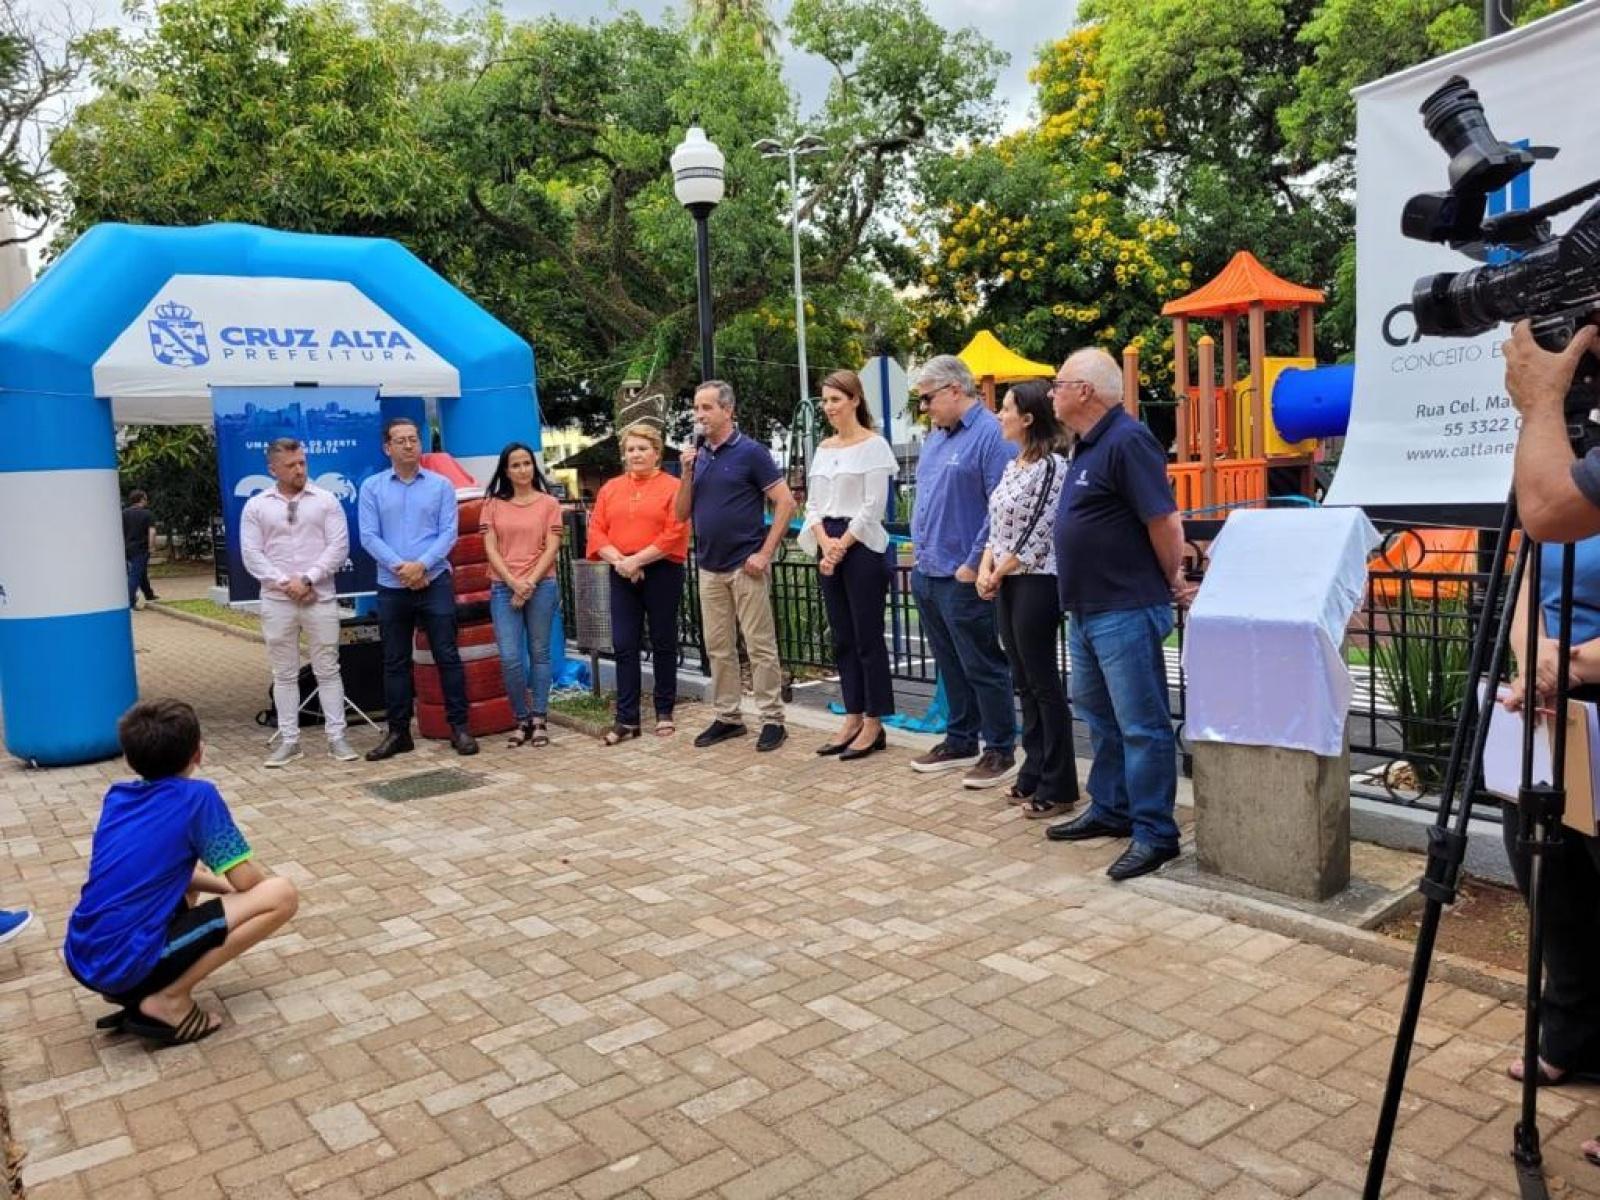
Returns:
(284,537)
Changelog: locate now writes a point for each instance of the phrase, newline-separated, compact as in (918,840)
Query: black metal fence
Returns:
(1407,648)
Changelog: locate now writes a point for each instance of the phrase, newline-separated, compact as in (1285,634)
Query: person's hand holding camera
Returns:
(1536,378)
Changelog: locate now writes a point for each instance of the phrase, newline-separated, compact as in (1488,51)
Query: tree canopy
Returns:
(528,162)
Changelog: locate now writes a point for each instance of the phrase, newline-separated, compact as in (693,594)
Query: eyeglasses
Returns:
(1058,384)
(405,441)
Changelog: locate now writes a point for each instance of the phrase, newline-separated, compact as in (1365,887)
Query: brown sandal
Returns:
(520,736)
(665,727)
(538,732)
(620,733)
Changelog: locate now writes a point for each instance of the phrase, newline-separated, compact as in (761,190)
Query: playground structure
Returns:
(1233,431)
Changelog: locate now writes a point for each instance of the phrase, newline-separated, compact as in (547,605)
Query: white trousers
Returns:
(281,624)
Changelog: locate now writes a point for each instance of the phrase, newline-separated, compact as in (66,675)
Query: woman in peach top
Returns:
(633,528)
(521,527)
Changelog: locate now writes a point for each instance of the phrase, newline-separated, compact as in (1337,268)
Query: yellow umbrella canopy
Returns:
(987,357)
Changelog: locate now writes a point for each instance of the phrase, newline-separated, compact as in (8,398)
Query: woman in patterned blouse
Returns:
(1019,570)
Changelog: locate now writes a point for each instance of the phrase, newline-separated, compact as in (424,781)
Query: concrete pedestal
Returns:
(1274,818)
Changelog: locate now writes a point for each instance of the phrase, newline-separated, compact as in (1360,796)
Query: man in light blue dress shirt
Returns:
(960,464)
(408,522)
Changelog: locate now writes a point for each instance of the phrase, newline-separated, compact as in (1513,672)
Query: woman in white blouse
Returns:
(1019,570)
(846,494)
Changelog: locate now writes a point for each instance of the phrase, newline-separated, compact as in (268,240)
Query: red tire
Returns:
(483,718)
(468,550)
(469,514)
(475,639)
(471,578)
(484,678)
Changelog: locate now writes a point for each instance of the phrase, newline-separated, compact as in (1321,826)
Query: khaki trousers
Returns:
(732,602)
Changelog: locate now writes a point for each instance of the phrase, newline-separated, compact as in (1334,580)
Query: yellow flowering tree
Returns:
(1054,236)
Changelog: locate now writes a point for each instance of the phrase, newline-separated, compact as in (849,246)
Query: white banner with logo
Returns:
(205,331)
(1430,421)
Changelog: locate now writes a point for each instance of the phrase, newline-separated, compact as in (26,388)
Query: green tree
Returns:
(176,466)
(528,162)
(39,67)
(1053,236)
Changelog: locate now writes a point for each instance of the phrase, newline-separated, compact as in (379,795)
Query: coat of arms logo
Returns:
(176,338)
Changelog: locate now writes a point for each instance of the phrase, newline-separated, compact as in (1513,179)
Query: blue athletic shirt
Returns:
(150,835)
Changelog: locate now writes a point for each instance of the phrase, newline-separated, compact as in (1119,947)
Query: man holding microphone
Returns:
(727,480)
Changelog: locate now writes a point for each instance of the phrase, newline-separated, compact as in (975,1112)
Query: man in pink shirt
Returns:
(294,538)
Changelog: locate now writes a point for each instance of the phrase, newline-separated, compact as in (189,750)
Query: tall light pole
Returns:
(802,148)
(698,182)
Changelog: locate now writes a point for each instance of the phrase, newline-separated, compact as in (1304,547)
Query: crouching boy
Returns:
(143,933)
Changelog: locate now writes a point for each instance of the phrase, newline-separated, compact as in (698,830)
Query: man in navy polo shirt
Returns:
(727,480)
(960,464)
(1119,546)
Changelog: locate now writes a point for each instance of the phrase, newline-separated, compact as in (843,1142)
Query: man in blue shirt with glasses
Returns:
(409,521)
(961,461)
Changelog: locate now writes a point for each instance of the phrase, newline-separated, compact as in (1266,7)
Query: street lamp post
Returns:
(802,148)
(698,181)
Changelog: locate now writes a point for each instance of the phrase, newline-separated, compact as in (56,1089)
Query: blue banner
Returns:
(342,432)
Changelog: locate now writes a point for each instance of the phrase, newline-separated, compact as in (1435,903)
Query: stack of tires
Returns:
(488,708)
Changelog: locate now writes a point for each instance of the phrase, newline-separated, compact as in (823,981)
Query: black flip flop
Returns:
(1593,1156)
(196,1026)
(114,1021)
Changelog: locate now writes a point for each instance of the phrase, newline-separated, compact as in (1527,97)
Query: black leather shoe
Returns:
(772,736)
(394,742)
(719,731)
(462,742)
(1140,859)
(1081,829)
(851,753)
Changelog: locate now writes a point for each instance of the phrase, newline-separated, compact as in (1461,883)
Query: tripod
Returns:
(1539,810)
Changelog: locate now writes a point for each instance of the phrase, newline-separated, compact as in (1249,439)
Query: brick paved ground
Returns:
(656,972)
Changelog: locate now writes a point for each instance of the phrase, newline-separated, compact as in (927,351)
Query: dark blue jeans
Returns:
(139,578)
(960,628)
(654,599)
(1119,685)
(399,610)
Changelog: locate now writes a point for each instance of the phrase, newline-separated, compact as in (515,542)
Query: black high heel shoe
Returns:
(850,753)
(831,748)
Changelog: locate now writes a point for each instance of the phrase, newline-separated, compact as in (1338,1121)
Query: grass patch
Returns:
(216,612)
(584,705)
(182,568)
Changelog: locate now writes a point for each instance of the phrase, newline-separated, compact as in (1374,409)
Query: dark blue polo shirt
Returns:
(729,509)
(1117,482)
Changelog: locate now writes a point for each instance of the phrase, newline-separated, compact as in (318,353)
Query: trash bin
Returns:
(1268,696)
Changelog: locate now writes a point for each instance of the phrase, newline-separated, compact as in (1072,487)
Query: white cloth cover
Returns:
(1262,648)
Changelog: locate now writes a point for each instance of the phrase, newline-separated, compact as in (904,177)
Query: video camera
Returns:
(1552,282)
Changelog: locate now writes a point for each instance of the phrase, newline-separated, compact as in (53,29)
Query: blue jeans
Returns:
(961,629)
(139,578)
(523,636)
(1119,687)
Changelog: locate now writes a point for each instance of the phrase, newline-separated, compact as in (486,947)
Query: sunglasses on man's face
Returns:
(927,397)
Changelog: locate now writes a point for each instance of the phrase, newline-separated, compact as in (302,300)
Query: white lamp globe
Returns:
(697,170)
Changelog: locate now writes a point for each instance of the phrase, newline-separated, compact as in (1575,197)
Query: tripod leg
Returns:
(1539,816)
(1446,845)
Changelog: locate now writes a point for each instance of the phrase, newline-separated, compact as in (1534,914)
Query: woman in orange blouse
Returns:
(633,529)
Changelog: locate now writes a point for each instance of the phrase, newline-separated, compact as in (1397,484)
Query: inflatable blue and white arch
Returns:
(136,324)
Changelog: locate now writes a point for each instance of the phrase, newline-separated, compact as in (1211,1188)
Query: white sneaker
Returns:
(283,754)
(340,749)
